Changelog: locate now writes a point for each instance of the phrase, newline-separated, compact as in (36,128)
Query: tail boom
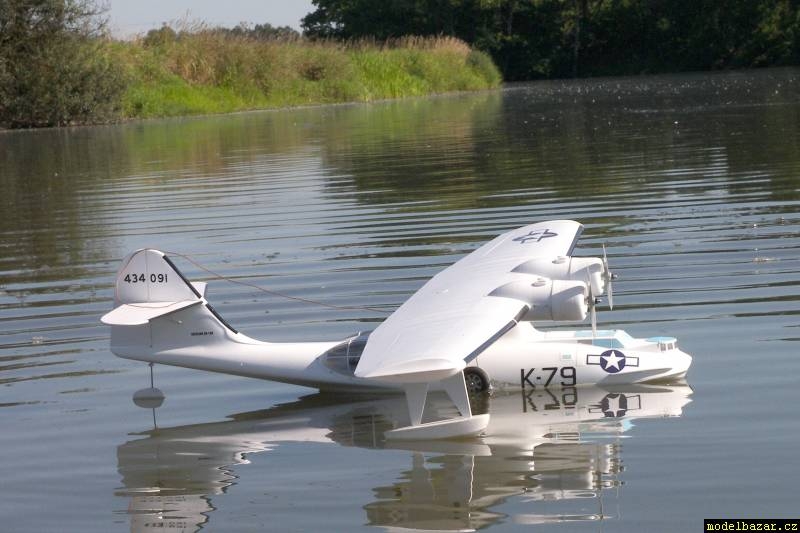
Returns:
(161,317)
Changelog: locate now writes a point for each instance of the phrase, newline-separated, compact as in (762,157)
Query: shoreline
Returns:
(134,120)
(697,74)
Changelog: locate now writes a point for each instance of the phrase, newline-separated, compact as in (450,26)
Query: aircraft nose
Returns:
(681,363)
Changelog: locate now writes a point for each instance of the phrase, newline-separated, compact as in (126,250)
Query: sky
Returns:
(132,17)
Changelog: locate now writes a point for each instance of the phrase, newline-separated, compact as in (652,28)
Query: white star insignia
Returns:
(612,360)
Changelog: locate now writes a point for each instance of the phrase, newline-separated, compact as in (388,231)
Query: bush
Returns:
(55,64)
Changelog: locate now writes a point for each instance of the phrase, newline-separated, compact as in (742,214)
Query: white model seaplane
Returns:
(472,320)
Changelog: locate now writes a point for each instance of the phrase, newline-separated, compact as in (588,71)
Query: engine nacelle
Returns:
(557,300)
(583,269)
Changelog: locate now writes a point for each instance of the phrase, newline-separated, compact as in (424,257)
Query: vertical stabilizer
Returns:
(148,285)
(150,276)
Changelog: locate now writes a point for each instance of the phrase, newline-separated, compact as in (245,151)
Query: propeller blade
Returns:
(608,277)
(610,292)
(592,304)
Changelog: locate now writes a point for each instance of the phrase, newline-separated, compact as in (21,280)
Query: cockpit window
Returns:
(665,344)
(344,357)
(605,338)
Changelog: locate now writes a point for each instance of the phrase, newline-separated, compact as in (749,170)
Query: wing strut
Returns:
(456,388)
(416,394)
(463,426)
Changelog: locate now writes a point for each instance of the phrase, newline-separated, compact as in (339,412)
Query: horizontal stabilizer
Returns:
(137,314)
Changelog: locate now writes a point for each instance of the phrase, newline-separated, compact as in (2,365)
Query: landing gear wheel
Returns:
(476,380)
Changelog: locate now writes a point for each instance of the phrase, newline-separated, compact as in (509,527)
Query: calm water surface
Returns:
(692,182)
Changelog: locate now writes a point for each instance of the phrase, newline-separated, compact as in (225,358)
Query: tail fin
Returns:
(156,308)
(149,285)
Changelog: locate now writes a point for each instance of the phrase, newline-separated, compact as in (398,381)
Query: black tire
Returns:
(476,380)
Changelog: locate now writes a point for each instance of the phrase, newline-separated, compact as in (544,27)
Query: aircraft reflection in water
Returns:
(553,446)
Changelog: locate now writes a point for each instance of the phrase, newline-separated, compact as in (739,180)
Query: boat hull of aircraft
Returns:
(522,358)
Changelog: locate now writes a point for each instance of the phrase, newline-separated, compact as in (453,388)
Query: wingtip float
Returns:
(469,326)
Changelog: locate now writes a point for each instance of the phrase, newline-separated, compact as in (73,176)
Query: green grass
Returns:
(212,72)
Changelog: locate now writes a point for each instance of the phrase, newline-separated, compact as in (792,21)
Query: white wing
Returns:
(452,318)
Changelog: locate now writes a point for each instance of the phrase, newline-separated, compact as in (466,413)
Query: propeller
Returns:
(608,277)
(591,302)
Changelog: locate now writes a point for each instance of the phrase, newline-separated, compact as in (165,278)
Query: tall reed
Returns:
(211,71)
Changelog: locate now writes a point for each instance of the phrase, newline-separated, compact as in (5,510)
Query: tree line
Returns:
(59,66)
(533,39)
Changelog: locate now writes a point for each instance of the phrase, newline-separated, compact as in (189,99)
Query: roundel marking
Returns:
(612,361)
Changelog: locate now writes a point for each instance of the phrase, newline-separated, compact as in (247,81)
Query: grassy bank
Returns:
(208,71)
